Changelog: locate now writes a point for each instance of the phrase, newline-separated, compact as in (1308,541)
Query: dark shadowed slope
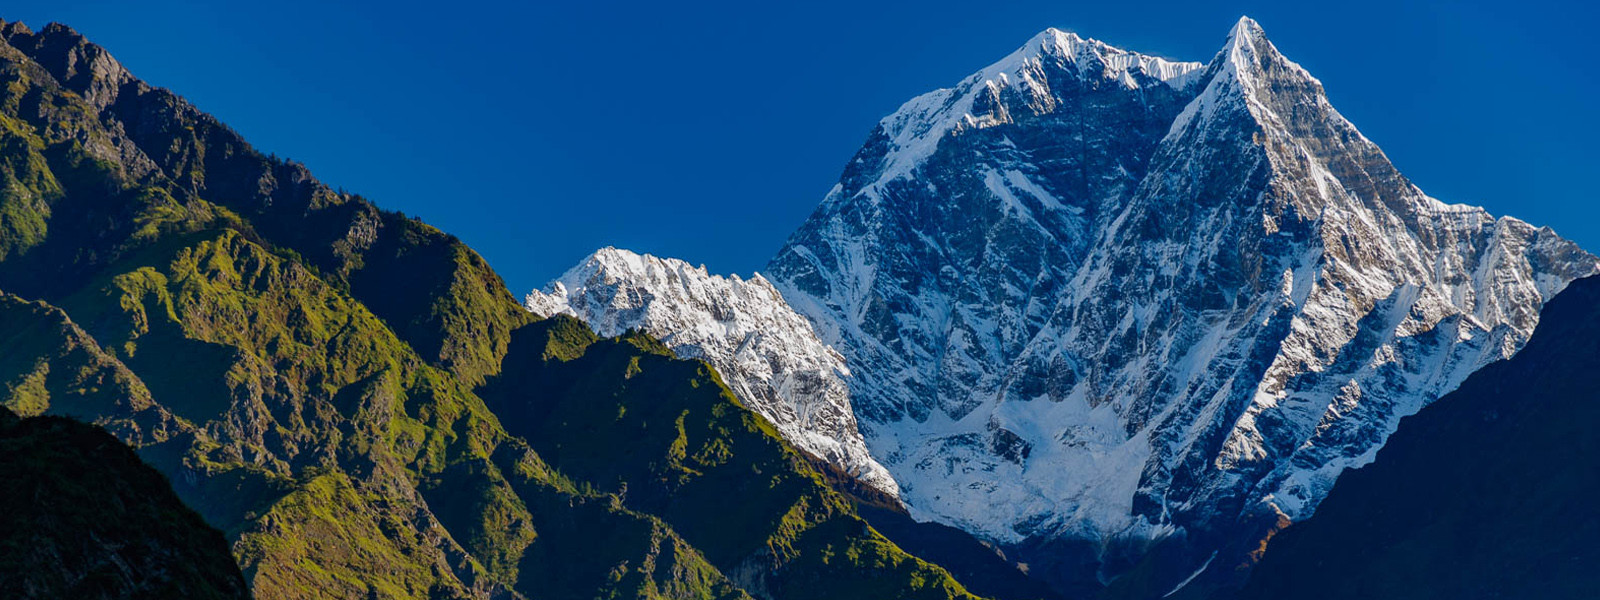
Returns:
(1488,493)
(84,518)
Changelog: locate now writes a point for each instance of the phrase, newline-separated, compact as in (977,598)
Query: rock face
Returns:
(1093,296)
(766,353)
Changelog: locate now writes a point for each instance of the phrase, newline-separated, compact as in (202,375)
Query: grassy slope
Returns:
(51,364)
(666,436)
(298,420)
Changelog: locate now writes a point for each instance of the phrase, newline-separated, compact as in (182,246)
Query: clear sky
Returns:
(708,131)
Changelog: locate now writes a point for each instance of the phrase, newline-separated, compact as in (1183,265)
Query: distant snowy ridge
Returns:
(766,353)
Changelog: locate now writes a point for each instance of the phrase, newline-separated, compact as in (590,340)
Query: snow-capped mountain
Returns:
(1092,294)
(766,353)
(1103,297)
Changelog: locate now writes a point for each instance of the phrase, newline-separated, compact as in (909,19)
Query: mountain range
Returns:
(1088,324)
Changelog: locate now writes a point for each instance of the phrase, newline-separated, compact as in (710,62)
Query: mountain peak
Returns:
(1057,36)
(1248,51)
(1089,53)
(78,64)
(11,28)
(1249,74)
(1047,74)
(618,262)
(1246,29)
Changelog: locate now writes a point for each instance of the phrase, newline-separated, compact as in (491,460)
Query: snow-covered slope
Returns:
(1090,295)
(766,353)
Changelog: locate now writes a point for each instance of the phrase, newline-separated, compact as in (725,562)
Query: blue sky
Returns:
(708,131)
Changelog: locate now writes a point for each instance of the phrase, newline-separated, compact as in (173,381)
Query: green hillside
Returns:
(312,373)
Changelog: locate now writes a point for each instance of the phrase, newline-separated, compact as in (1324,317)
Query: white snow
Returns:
(1190,578)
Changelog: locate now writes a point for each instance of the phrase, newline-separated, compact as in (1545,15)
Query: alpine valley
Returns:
(1089,324)
(1120,317)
